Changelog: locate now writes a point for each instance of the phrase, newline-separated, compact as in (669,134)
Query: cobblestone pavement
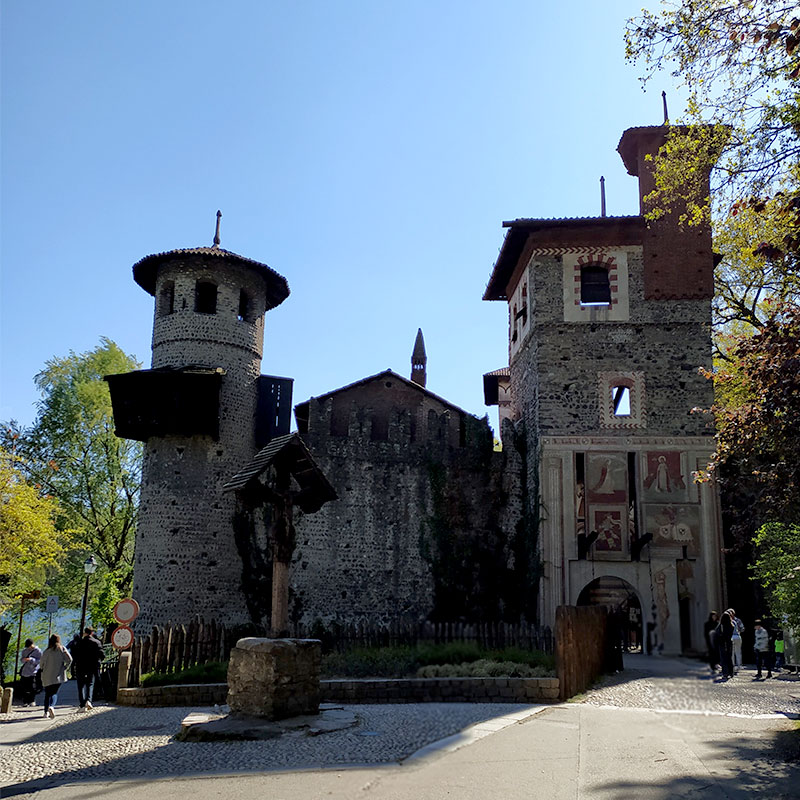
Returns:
(123,742)
(680,684)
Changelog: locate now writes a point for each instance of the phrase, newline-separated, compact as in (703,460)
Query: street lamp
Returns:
(89,566)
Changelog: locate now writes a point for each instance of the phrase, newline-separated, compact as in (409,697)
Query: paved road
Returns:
(660,730)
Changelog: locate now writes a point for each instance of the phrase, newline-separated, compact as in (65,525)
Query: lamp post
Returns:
(89,566)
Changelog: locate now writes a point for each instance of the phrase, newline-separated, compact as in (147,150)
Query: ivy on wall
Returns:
(483,570)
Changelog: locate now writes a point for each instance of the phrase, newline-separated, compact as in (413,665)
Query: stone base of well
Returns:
(274,678)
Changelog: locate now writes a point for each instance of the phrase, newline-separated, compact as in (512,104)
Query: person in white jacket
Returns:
(761,647)
(53,664)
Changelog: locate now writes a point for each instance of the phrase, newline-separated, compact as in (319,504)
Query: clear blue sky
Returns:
(368,151)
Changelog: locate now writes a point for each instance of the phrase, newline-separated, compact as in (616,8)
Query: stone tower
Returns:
(609,321)
(419,361)
(197,411)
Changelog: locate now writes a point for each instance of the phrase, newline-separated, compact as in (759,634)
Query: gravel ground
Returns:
(117,742)
(686,685)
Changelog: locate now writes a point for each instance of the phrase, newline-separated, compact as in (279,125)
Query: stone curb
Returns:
(395,690)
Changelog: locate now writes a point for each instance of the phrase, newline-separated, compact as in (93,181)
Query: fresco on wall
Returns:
(674,525)
(664,476)
(607,478)
(610,524)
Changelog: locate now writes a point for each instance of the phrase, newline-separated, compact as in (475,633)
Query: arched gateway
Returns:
(620,596)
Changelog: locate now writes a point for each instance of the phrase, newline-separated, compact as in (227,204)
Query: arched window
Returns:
(595,286)
(205,297)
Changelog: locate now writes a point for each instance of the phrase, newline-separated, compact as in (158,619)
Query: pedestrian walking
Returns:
(709,627)
(88,655)
(762,649)
(736,640)
(54,663)
(779,651)
(31,656)
(724,634)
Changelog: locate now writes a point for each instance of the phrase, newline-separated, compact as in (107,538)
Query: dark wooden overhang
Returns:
(166,402)
(145,271)
(491,383)
(288,452)
(526,235)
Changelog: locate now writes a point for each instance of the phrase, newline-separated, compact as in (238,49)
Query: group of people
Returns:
(48,669)
(724,641)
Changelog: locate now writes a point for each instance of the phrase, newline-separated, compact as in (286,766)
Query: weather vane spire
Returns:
(664,101)
(216,233)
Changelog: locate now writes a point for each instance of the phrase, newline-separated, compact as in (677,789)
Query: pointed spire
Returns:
(419,361)
(664,102)
(216,234)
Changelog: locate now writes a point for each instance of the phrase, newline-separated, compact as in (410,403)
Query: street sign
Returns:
(126,611)
(52,604)
(122,638)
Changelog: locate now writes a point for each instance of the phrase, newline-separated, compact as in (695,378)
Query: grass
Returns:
(212,672)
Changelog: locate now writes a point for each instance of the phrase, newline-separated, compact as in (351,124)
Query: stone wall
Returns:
(186,561)
(555,373)
(426,524)
(397,690)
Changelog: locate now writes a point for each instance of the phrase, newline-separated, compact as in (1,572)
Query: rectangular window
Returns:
(205,297)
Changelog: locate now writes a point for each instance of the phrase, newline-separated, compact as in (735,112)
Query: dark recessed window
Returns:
(166,302)
(595,286)
(244,307)
(205,297)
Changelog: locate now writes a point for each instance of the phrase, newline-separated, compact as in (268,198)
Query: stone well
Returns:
(274,678)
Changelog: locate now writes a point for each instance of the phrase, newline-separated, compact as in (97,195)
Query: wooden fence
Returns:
(581,647)
(489,635)
(174,647)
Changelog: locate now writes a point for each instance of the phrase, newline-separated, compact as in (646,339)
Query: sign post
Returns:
(51,607)
(125,612)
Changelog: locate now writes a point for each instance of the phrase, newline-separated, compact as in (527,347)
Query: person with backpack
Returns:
(88,654)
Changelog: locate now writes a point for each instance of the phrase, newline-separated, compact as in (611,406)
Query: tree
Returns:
(777,568)
(758,422)
(72,451)
(740,62)
(30,542)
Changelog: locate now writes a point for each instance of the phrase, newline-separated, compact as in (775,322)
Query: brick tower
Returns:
(198,410)
(609,321)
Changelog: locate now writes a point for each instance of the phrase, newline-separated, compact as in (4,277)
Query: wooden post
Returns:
(280,598)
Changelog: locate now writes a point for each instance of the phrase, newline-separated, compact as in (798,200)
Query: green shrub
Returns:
(483,668)
(212,672)
(405,661)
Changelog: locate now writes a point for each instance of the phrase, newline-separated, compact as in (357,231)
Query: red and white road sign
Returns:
(122,638)
(126,611)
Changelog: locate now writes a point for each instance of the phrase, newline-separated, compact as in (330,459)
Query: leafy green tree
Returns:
(740,63)
(758,440)
(72,452)
(777,568)
(30,542)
